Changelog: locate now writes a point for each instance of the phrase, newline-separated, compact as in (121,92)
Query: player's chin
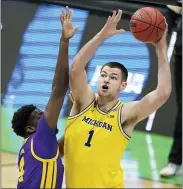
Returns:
(104,93)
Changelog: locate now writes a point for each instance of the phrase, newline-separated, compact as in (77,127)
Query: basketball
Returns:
(147,25)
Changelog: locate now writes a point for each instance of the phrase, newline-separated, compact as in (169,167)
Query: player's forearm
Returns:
(61,78)
(164,86)
(84,55)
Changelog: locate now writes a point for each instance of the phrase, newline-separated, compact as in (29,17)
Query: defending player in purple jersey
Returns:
(39,161)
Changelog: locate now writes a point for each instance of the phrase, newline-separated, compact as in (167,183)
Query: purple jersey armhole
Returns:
(44,141)
(44,129)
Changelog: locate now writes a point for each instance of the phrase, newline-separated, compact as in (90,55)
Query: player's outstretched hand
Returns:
(109,28)
(66,20)
(162,43)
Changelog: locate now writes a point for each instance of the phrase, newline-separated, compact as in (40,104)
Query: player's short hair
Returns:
(20,119)
(119,66)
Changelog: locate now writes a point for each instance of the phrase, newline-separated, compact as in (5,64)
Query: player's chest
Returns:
(93,130)
(105,124)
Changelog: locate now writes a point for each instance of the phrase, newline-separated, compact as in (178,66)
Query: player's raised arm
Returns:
(82,93)
(61,77)
(151,102)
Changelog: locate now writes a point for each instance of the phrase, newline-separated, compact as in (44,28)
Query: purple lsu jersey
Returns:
(40,165)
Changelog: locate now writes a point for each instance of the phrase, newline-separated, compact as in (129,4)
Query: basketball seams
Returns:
(158,38)
(160,24)
(153,27)
(147,23)
(148,15)
(157,31)
(143,30)
(150,20)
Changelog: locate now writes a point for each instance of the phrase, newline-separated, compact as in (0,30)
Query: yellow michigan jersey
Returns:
(94,145)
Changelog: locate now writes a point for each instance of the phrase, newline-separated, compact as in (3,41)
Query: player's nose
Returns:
(106,80)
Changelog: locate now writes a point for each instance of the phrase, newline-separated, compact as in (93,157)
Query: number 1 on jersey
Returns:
(88,143)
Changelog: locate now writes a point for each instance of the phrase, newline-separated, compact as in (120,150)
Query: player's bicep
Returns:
(81,91)
(147,105)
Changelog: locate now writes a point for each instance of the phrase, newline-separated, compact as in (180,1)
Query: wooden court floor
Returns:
(9,175)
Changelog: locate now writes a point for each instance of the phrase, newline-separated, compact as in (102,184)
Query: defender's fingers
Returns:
(118,16)
(61,18)
(113,15)
(67,12)
(63,14)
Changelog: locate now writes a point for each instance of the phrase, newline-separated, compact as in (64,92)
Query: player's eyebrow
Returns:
(111,74)
(114,74)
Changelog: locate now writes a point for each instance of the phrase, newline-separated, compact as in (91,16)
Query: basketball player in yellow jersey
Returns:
(98,129)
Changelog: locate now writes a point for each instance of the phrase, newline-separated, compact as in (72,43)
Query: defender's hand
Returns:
(110,27)
(66,20)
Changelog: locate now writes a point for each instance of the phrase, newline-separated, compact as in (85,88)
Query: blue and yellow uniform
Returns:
(39,162)
(94,144)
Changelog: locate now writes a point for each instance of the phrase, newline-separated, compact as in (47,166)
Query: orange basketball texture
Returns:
(147,24)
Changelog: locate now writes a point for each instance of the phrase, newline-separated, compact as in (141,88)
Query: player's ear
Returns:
(123,85)
(30,129)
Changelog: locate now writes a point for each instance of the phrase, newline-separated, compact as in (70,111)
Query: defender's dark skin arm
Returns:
(59,85)
(61,146)
(61,77)
(61,140)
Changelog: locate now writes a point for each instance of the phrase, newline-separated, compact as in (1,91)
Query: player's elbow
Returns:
(167,90)
(164,95)
(74,70)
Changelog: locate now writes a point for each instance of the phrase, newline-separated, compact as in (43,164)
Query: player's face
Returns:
(110,82)
(33,120)
(36,115)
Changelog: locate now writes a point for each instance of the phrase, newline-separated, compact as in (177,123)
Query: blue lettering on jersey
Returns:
(96,123)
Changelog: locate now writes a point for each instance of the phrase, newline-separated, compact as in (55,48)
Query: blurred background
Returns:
(30,40)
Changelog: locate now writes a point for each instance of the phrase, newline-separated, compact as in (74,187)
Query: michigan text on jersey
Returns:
(97,123)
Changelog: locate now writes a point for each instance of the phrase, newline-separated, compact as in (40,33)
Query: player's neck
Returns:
(26,136)
(106,104)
